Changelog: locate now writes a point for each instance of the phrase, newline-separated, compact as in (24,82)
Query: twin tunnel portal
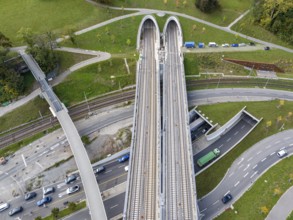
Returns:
(161,182)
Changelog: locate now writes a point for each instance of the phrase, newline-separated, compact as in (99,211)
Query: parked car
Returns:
(282,153)
(70,179)
(72,189)
(100,169)
(227,198)
(225,45)
(15,211)
(251,44)
(30,195)
(242,44)
(126,168)
(4,206)
(49,190)
(234,45)
(267,48)
(123,158)
(44,200)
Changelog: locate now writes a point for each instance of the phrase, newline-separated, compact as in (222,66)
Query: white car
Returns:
(225,45)
(282,153)
(126,168)
(242,45)
(72,189)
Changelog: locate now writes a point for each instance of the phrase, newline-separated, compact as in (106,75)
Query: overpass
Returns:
(91,188)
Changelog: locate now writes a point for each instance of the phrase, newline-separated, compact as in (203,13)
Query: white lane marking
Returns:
(203,210)
(54,146)
(228,139)
(236,183)
(221,145)
(227,193)
(62,194)
(121,166)
(240,161)
(246,174)
(231,174)
(46,151)
(254,166)
(272,153)
(215,202)
(24,160)
(108,171)
(287,138)
(60,185)
(277,142)
(291,144)
(240,166)
(249,159)
(236,132)
(267,147)
(253,174)
(258,152)
(263,159)
(248,165)
(243,127)
(282,148)
(40,165)
(113,206)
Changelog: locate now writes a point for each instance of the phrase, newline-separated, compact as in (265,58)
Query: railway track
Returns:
(79,111)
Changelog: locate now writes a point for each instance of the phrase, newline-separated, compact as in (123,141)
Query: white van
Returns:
(4,206)
(282,153)
(213,44)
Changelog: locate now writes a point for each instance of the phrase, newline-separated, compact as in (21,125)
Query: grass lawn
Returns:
(111,38)
(210,178)
(24,114)
(95,80)
(230,9)
(259,200)
(247,27)
(211,62)
(53,15)
(69,59)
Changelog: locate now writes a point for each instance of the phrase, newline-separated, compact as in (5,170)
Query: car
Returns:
(251,44)
(242,44)
(15,211)
(49,190)
(126,168)
(70,179)
(227,198)
(100,169)
(282,153)
(44,200)
(30,195)
(234,45)
(123,158)
(267,48)
(225,45)
(72,189)
(4,206)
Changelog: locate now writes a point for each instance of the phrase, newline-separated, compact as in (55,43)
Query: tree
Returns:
(55,212)
(207,6)
(72,206)
(39,218)
(4,41)
(264,210)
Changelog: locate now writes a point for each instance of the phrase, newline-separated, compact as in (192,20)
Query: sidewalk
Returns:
(283,207)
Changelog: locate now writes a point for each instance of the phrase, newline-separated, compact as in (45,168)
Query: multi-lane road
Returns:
(178,176)
(142,200)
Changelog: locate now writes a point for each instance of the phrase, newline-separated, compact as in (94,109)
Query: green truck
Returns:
(208,157)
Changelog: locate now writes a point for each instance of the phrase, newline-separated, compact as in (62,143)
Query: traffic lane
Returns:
(82,214)
(225,143)
(115,205)
(111,171)
(113,182)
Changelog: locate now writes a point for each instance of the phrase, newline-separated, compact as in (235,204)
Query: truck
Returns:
(189,44)
(208,157)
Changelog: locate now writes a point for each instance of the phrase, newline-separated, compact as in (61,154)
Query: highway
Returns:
(142,198)
(178,176)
